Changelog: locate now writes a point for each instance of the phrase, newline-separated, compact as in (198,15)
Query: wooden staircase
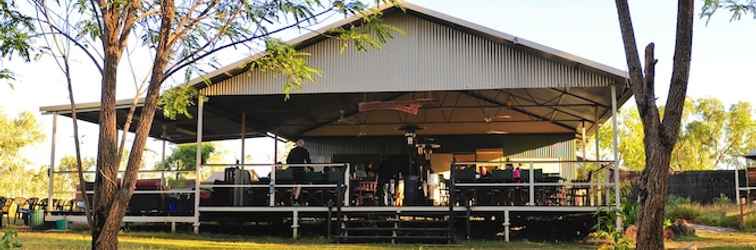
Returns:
(395,228)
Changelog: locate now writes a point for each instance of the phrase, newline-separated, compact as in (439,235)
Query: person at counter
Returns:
(298,155)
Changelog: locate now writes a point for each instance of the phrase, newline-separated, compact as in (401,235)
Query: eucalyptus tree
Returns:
(660,133)
(183,37)
(15,28)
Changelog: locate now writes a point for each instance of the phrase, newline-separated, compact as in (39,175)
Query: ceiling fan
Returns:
(345,120)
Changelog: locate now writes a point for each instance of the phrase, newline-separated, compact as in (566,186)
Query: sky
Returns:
(722,63)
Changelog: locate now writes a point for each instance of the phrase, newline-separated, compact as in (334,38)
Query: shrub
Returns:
(677,200)
(722,200)
(10,240)
(683,211)
(749,223)
(719,219)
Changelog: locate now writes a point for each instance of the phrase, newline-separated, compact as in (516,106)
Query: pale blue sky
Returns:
(724,56)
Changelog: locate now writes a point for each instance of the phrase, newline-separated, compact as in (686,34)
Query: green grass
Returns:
(719,214)
(74,240)
(142,240)
(716,240)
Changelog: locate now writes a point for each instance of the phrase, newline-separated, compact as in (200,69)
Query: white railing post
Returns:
(272,184)
(615,142)
(346,185)
(531,186)
(737,185)
(198,163)
(506,225)
(272,188)
(51,169)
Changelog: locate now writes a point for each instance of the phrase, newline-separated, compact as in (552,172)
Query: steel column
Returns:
(506,225)
(615,142)
(737,185)
(198,163)
(531,186)
(272,189)
(346,185)
(295,224)
(51,169)
(243,135)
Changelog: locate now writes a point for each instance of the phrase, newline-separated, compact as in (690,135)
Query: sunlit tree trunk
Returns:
(660,135)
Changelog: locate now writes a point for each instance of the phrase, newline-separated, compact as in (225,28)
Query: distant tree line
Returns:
(712,135)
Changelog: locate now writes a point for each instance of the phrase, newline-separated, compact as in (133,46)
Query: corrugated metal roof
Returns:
(437,52)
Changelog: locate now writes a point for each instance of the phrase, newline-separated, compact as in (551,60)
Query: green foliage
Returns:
(10,240)
(711,135)
(749,223)
(184,157)
(15,134)
(176,101)
(630,212)
(14,35)
(279,57)
(717,218)
(605,230)
(721,213)
(737,8)
(682,211)
(284,59)
(372,33)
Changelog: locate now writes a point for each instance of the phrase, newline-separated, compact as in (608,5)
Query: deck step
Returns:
(407,239)
(405,229)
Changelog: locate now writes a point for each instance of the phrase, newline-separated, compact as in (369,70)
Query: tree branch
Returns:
(680,72)
(192,59)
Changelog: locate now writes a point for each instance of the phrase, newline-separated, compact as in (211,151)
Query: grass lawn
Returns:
(136,240)
(74,240)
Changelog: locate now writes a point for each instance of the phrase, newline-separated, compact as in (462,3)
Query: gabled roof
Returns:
(307,39)
(475,69)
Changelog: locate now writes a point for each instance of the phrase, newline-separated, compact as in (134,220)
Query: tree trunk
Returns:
(107,159)
(77,145)
(660,136)
(120,196)
(106,181)
(653,194)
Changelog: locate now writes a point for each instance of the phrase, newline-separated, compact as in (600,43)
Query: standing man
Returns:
(298,155)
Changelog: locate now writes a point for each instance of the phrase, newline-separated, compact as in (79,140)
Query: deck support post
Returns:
(295,224)
(173,227)
(615,142)
(506,225)
(737,185)
(346,185)
(51,170)
(531,186)
(243,136)
(198,162)
(239,192)
(272,189)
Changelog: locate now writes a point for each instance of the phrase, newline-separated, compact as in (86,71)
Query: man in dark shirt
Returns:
(298,155)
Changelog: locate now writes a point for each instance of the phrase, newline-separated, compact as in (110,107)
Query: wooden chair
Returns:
(366,190)
(21,207)
(10,209)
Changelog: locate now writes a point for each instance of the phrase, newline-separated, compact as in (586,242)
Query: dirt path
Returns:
(713,228)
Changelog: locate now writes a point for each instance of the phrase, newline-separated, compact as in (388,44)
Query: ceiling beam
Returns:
(489,100)
(582,98)
(555,108)
(429,123)
(347,114)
